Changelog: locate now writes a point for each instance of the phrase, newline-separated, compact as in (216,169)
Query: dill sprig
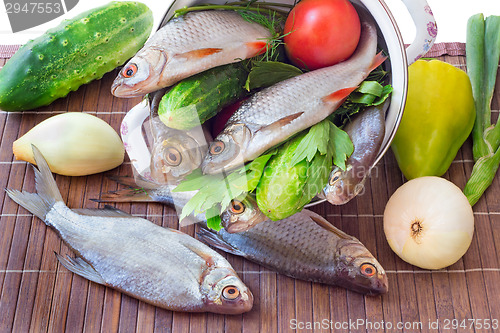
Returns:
(268,14)
(274,23)
(253,5)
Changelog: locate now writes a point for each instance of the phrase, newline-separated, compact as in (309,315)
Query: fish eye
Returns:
(237,207)
(173,156)
(368,270)
(335,177)
(230,293)
(217,147)
(129,70)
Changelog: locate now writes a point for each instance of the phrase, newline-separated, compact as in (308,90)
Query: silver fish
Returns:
(174,153)
(174,156)
(188,45)
(276,113)
(242,214)
(161,266)
(306,246)
(367,131)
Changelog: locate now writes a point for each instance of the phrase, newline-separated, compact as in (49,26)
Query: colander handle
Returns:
(133,139)
(426,29)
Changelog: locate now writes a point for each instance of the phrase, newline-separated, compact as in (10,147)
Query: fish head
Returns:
(226,152)
(224,292)
(343,185)
(175,155)
(358,270)
(242,214)
(140,75)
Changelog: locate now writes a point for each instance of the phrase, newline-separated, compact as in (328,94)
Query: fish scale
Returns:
(278,112)
(366,130)
(305,246)
(204,27)
(190,44)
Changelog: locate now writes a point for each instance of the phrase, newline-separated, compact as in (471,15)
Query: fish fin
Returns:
(328,226)
(108,211)
(338,95)
(277,125)
(134,182)
(47,195)
(204,255)
(377,61)
(125,195)
(124,180)
(137,191)
(80,267)
(212,239)
(200,53)
(188,220)
(256,47)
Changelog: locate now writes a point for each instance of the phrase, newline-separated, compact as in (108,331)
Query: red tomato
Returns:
(320,33)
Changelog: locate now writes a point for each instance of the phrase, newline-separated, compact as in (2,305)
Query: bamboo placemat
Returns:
(38,295)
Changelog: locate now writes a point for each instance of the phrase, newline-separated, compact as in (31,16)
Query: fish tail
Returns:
(212,239)
(126,195)
(138,181)
(47,195)
(138,190)
(377,61)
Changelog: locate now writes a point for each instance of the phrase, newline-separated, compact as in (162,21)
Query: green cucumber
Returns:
(285,188)
(280,187)
(75,52)
(198,98)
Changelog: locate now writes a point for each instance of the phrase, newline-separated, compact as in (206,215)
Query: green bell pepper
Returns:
(437,119)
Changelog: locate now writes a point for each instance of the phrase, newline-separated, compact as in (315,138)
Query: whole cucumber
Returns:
(75,52)
(198,98)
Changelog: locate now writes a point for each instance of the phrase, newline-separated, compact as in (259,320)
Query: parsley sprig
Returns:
(215,192)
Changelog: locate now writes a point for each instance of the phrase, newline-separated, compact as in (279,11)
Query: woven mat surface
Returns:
(39,295)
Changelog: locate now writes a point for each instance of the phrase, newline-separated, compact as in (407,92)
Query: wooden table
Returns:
(38,295)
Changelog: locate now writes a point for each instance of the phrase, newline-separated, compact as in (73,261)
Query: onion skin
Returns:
(73,143)
(429,223)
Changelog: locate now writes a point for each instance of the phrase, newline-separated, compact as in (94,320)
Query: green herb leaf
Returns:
(215,192)
(340,145)
(386,91)
(370,87)
(366,93)
(256,169)
(326,139)
(362,99)
(215,221)
(266,73)
(315,140)
(358,101)
(194,181)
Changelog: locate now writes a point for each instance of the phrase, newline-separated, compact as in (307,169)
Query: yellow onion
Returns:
(429,223)
(73,143)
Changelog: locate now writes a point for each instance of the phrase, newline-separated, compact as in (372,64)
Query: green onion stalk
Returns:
(483,53)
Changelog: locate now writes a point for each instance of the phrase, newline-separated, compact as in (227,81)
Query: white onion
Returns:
(429,223)
(73,143)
